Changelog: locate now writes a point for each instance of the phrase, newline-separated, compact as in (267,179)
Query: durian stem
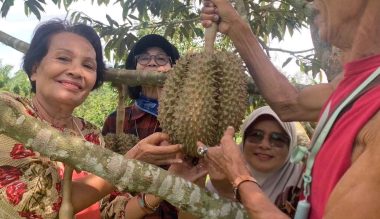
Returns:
(210,35)
(67,210)
(120,115)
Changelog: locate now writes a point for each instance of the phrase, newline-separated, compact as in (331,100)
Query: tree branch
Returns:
(123,76)
(125,174)
(13,42)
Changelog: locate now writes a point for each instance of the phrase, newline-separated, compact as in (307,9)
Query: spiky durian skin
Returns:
(170,96)
(232,94)
(204,94)
(195,114)
(120,143)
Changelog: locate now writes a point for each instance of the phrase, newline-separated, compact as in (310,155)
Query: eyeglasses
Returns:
(276,139)
(160,59)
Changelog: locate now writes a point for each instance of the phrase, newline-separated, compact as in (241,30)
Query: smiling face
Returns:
(152,65)
(149,91)
(67,73)
(338,20)
(266,145)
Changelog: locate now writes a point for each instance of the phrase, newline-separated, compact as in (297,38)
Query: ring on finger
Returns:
(202,151)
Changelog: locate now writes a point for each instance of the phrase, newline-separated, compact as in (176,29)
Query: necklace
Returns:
(76,125)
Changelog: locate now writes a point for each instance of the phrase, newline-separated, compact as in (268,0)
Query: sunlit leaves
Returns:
(35,7)
(17,83)
(178,20)
(5,7)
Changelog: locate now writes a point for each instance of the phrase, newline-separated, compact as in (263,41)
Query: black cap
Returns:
(145,42)
(148,41)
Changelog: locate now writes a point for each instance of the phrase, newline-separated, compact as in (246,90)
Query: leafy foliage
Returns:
(18,83)
(173,19)
(98,105)
(271,19)
(179,21)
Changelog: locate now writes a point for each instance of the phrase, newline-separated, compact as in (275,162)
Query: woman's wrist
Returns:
(240,180)
(148,203)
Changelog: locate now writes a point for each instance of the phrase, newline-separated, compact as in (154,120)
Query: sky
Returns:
(17,24)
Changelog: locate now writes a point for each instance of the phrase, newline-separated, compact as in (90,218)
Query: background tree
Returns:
(179,20)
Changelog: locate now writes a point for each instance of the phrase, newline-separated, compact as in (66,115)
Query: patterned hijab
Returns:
(289,174)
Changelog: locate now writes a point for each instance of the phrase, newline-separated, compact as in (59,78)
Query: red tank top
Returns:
(334,158)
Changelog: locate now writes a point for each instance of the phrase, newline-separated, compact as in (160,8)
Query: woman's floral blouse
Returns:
(30,184)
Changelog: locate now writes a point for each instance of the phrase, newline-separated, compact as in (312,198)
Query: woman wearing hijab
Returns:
(267,144)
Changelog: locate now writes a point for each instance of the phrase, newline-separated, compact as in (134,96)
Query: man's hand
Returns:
(221,12)
(195,173)
(227,158)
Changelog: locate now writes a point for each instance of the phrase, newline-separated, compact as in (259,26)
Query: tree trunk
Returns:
(327,55)
(125,174)
(120,111)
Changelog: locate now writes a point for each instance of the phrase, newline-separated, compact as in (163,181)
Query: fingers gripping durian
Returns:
(205,93)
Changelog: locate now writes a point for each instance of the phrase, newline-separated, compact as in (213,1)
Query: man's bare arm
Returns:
(288,102)
(357,193)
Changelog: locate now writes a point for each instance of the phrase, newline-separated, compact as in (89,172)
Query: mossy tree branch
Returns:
(125,174)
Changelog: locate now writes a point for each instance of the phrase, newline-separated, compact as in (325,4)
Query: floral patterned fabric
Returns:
(30,184)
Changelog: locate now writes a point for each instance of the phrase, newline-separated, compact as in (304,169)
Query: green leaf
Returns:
(67,3)
(133,17)
(33,8)
(287,61)
(169,31)
(5,7)
(111,21)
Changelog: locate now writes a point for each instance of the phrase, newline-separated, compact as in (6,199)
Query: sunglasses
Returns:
(160,59)
(276,139)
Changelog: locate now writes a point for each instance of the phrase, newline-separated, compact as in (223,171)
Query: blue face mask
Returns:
(147,105)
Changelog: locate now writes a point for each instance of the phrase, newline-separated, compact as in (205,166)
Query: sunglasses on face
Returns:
(160,59)
(276,139)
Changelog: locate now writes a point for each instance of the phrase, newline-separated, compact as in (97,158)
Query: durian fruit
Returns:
(172,89)
(120,143)
(205,93)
